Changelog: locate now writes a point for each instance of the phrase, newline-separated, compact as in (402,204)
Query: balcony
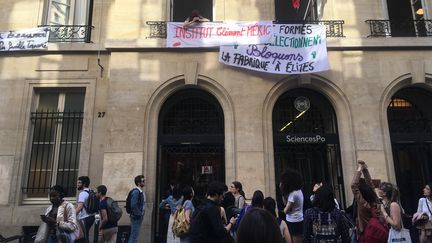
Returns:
(69,33)
(334,28)
(400,28)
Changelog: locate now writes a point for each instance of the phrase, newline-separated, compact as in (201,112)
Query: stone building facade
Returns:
(118,103)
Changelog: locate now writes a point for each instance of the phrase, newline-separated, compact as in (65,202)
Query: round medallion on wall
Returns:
(302,103)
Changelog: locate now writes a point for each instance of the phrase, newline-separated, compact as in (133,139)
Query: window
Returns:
(68,12)
(181,9)
(406,17)
(54,150)
(307,10)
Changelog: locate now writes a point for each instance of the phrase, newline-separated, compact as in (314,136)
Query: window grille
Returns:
(55,145)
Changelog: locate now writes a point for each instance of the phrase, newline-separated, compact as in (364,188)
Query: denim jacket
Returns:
(137,203)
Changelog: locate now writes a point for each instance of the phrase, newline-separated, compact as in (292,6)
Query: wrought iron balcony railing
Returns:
(69,33)
(334,28)
(400,28)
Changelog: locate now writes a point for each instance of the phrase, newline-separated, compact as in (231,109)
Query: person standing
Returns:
(188,195)
(292,196)
(172,202)
(107,229)
(85,219)
(270,206)
(138,200)
(324,222)
(259,226)
(424,211)
(60,217)
(236,189)
(206,225)
(367,201)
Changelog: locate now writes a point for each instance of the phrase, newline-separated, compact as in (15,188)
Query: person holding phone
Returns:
(60,217)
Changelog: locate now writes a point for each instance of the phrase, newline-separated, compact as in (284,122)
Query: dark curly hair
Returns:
(290,180)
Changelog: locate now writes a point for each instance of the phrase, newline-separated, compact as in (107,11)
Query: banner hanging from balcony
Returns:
(294,49)
(210,34)
(24,40)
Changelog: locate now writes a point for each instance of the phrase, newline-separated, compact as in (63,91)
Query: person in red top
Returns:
(365,196)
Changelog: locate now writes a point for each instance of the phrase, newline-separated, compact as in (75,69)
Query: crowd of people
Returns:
(63,222)
(225,214)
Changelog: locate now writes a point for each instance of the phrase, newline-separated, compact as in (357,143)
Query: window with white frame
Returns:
(68,12)
(55,142)
(182,9)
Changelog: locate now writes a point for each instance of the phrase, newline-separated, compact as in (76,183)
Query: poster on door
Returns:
(294,49)
(207,170)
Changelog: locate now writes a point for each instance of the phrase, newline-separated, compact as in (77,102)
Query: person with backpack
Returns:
(172,202)
(107,228)
(290,186)
(324,223)
(270,206)
(206,224)
(189,209)
(86,207)
(236,189)
(370,221)
(135,207)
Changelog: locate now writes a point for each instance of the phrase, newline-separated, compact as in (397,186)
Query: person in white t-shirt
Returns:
(85,219)
(290,186)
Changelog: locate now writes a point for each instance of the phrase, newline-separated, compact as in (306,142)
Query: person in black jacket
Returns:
(206,225)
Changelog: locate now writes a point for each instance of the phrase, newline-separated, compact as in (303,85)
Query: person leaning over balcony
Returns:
(195,17)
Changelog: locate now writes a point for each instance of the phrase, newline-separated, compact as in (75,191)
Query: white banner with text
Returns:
(24,40)
(294,49)
(210,34)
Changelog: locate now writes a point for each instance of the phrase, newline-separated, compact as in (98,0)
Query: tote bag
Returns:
(402,236)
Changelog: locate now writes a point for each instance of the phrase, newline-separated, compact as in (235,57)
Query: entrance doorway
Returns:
(190,146)
(305,138)
(410,122)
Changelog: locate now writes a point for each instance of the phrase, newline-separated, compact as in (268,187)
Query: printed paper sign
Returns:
(208,34)
(294,49)
(31,39)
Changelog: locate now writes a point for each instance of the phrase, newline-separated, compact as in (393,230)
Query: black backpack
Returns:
(91,205)
(114,211)
(324,229)
(128,201)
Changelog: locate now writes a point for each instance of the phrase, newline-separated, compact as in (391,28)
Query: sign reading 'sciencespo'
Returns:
(30,39)
(210,34)
(294,49)
(305,138)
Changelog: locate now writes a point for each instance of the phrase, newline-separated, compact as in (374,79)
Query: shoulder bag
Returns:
(400,236)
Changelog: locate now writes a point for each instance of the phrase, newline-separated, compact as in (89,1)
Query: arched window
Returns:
(305,138)
(410,122)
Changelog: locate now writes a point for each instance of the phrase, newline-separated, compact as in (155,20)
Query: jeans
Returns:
(86,224)
(59,238)
(135,226)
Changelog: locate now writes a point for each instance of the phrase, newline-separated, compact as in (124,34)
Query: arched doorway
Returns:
(410,122)
(305,138)
(190,144)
